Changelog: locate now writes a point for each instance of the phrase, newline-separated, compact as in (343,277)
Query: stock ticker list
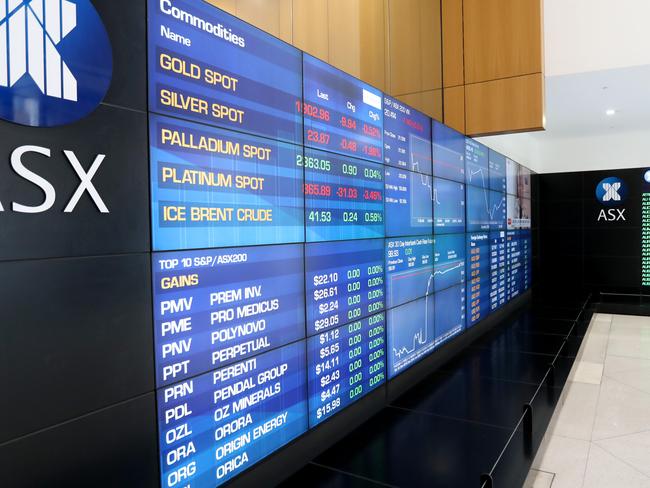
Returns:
(645,238)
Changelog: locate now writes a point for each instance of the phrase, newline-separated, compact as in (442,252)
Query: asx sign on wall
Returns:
(56,66)
(611,192)
(56,61)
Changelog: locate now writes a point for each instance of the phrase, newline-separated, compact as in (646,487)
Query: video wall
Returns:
(313,238)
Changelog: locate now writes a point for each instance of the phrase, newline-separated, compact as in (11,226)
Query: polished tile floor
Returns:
(599,436)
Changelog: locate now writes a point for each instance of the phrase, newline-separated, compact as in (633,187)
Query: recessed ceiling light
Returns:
(610,112)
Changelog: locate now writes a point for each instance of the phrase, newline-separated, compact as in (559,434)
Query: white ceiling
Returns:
(597,58)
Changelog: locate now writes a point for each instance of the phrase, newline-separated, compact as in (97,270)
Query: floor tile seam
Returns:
(354,475)
(622,461)
(625,384)
(458,419)
(618,436)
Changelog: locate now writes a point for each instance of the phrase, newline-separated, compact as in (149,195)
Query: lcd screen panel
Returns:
(476,164)
(497,172)
(341,113)
(409,269)
(253,85)
(411,334)
(498,270)
(216,425)
(514,281)
(524,183)
(485,209)
(218,306)
(449,261)
(448,206)
(407,137)
(449,313)
(512,177)
(344,197)
(448,153)
(409,203)
(344,365)
(216,188)
(519,213)
(478,277)
(345,282)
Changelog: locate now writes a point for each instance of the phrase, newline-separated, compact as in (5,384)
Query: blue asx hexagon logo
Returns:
(611,191)
(56,61)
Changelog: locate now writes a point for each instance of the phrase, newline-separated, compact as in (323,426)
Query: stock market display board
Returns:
(313,238)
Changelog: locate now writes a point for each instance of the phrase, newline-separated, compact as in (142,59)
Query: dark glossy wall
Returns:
(76,355)
(579,252)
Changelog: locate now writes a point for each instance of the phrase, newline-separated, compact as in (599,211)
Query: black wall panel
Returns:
(121,181)
(76,336)
(585,244)
(126,23)
(115,447)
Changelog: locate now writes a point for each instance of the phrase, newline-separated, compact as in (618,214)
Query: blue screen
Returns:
(448,206)
(485,209)
(409,268)
(476,164)
(411,334)
(216,425)
(516,264)
(409,203)
(449,261)
(407,137)
(449,313)
(341,113)
(526,244)
(253,85)
(498,270)
(345,282)
(497,172)
(345,364)
(344,197)
(215,307)
(211,187)
(448,153)
(478,277)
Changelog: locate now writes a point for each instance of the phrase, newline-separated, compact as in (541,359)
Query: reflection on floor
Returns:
(453,427)
(600,433)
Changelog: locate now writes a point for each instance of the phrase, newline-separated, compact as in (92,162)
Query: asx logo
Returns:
(56,61)
(611,192)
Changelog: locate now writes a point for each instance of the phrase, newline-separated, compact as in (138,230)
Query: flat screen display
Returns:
(345,282)
(476,164)
(448,153)
(486,209)
(448,206)
(254,85)
(344,365)
(409,269)
(497,171)
(341,113)
(216,425)
(516,264)
(407,137)
(218,306)
(512,177)
(411,334)
(498,270)
(409,203)
(212,187)
(449,313)
(519,213)
(449,261)
(478,277)
(344,197)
